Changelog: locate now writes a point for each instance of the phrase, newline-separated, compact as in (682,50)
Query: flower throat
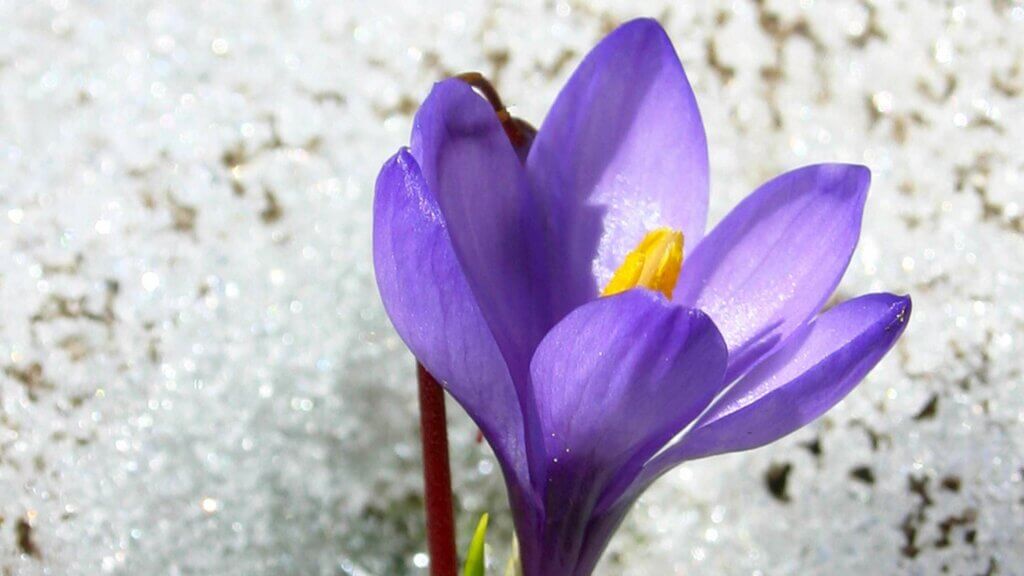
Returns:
(654,264)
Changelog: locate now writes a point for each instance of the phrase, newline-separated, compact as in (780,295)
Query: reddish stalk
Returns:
(437,476)
(515,129)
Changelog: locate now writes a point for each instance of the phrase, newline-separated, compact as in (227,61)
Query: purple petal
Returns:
(621,152)
(614,381)
(805,378)
(775,259)
(599,533)
(620,373)
(481,188)
(430,304)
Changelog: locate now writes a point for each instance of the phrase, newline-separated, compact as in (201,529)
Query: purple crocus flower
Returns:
(548,291)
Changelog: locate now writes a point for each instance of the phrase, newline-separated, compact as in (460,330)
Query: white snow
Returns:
(196,374)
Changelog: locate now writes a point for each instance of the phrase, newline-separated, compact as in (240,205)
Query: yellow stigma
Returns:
(654,263)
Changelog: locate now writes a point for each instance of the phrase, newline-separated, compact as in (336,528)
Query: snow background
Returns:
(197,376)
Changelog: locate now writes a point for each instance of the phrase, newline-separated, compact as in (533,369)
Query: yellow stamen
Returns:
(654,263)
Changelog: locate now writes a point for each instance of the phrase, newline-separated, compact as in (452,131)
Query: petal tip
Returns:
(852,178)
(643,26)
(901,308)
(449,96)
(861,175)
(453,108)
(406,165)
(404,158)
(642,35)
(380,186)
(844,178)
(448,84)
(848,181)
(699,316)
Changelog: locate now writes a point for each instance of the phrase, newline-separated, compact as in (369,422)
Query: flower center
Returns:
(654,264)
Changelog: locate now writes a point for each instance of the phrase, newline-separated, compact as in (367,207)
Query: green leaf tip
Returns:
(513,568)
(475,557)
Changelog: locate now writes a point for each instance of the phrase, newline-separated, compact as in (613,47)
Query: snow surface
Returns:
(197,376)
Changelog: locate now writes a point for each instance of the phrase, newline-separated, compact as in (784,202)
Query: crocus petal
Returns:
(807,376)
(600,530)
(621,152)
(481,188)
(614,381)
(430,304)
(620,373)
(775,259)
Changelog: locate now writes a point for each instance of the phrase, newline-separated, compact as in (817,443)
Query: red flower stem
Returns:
(514,127)
(437,476)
